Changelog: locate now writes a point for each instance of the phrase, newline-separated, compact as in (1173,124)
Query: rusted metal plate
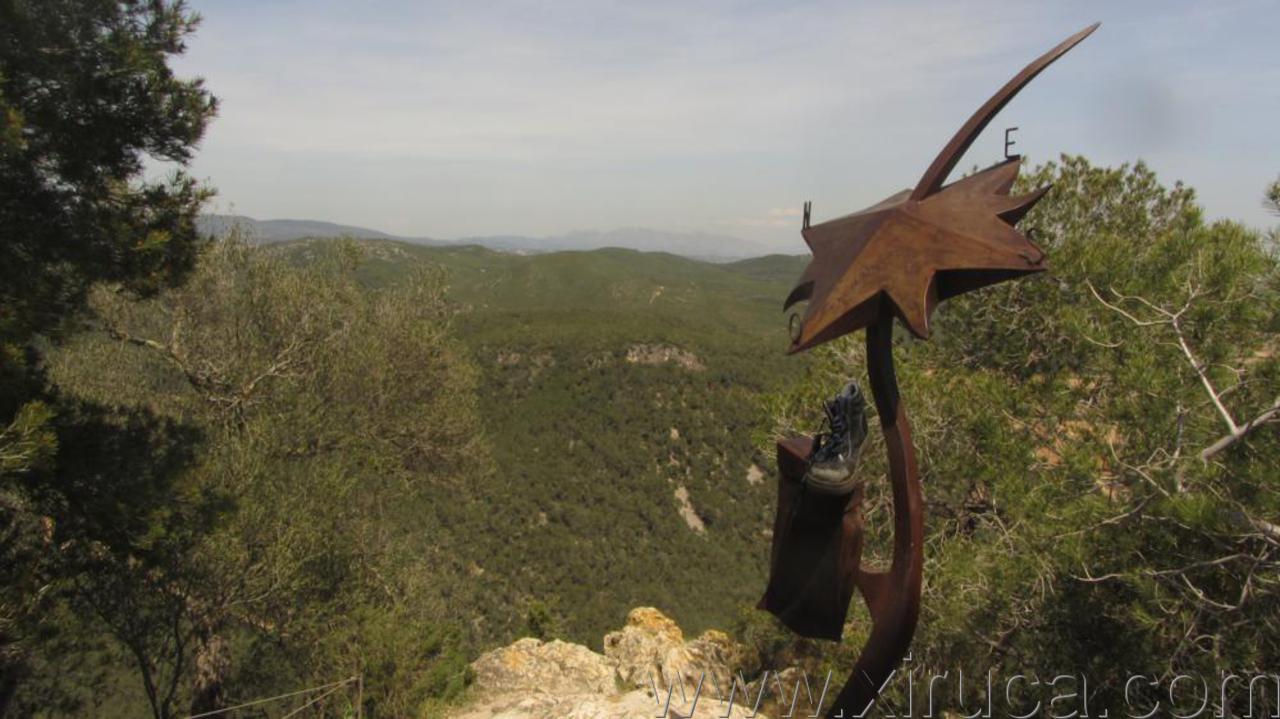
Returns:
(898,258)
(921,246)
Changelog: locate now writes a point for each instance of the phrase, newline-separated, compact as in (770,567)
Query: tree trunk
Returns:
(212,663)
(10,672)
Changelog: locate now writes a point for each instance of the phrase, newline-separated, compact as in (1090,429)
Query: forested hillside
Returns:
(407,454)
(620,394)
(231,472)
(385,466)
(402,455)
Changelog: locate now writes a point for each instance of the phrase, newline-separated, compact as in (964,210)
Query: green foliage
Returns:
(1072,524)
(337,422)
(542,621)
(28,442)
(309,463)
(85,93)
(768,640)
(589,361)
(85,96)
(351,518)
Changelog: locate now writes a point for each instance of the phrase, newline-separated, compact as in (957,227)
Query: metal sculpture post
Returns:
(898,258)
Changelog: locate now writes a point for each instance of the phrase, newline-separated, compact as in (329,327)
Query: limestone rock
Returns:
(641,647)
(651,648)
(636,704)
(664,354)
(684,505)
(713,655)
(531,679)
(554,667)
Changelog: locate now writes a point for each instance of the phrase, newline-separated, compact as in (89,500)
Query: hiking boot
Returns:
(835,454)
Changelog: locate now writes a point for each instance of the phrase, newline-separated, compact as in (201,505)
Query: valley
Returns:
(621,398)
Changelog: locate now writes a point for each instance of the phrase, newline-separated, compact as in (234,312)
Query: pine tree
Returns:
(86,96)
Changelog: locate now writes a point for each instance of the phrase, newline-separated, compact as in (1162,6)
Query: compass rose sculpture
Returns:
(897,259)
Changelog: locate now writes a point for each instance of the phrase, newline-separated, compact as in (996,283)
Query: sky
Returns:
(448,120)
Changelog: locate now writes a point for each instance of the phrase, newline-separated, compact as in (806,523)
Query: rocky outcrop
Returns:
(533,679)
(664,354)
(642,645)
(652,645)
(555,667)
(684,505)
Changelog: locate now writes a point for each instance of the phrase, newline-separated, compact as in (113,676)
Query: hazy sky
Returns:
(536,118)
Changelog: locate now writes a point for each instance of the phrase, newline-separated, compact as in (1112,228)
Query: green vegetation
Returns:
(228,472)
(86,489)
(335,423)
(377,497)
(1089,511)
(611,379)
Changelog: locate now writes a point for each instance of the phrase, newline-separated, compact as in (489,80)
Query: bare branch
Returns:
(1204,377)
(1241,432)
(1122,312)
(197,379)
(1173,320)
(1269,531)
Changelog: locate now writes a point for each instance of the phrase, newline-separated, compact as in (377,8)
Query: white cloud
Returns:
(535,117)
(621,82)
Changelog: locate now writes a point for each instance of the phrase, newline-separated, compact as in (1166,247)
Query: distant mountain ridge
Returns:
(267,231)
(696,245)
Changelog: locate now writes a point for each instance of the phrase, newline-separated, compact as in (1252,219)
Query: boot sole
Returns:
(830,481)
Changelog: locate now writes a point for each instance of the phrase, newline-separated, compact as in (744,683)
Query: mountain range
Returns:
(696,245)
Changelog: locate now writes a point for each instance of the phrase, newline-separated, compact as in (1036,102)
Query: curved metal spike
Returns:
(946,161)
(1019,206)
(802,292)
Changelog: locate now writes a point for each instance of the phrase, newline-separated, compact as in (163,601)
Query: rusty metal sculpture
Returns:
(899,258)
